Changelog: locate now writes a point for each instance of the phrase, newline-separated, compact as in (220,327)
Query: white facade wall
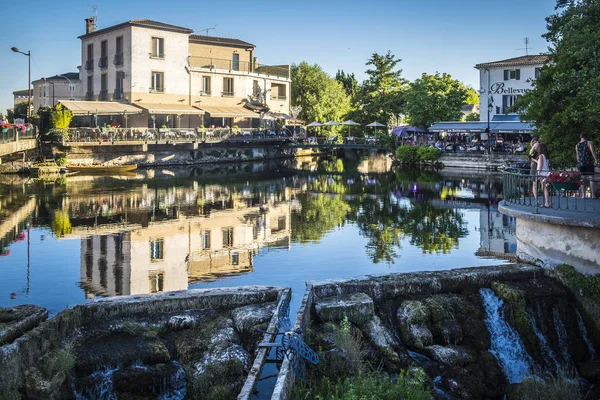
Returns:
(176,49)
(496,87)
(111,70)
(43,95)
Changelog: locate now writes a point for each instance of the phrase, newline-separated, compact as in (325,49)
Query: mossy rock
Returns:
(516,306)
(216,381)
(586,289)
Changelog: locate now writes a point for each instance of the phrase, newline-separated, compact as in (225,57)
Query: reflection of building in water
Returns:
(164,248)
(497,232)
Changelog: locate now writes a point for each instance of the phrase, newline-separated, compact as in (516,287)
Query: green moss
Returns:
(586,289)
(57,362)
(556,388)
(11,394)
(516,307)
(190,342)
(142,330)
(217,381)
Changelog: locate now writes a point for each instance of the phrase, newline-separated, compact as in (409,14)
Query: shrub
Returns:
(61,159)
(556,388)
(427,153)
(57,362)
(407,154)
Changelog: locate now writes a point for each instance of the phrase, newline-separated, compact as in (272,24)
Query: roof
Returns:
(99,107)
(227,112)
(220,41)
(154,108)
(71,76)
(535,59)
(142,23)
(470,108)
(23,92)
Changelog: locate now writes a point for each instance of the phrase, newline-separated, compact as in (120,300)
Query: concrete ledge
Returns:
(590,218)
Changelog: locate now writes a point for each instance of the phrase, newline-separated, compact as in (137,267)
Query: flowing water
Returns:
(584,334)
(507,346)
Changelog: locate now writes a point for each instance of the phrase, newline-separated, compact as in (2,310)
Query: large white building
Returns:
(503,82)
(47,92)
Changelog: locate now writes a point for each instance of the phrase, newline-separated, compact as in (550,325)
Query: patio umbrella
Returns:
(376,125)
(314,124)
(350,123)
(400,131)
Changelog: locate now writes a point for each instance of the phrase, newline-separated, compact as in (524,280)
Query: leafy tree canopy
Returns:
(472,96)
(564,101)
(434,98)
(381,96)
(348,81)
(322,98)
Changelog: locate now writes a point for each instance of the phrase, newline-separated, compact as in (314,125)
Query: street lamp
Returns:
(28,54)
(489,110)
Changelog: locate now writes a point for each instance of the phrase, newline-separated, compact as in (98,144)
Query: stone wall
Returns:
(480,161)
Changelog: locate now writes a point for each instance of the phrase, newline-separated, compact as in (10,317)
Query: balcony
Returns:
(118,94)
(227,94)
(89,96)
(246,67)
(103,95)
(156,90)
(89,65)
(118,60)
(103,62)
(159,56)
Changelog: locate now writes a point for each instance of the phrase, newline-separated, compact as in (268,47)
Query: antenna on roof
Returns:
(95,8)
(214,28)
(526,48)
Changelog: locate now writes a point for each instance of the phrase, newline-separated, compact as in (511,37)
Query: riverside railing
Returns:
(567,190)
(15,133)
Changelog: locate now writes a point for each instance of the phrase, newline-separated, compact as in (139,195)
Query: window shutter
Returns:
(518,74)
(505,74)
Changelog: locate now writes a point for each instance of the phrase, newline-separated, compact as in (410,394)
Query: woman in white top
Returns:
(543,169)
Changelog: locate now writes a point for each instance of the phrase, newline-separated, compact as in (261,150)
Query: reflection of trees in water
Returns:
(319,214)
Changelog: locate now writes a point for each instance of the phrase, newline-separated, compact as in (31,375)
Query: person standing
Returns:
(533,166)
(586,159)
(543,170)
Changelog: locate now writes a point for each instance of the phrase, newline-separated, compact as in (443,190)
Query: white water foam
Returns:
(507,346)
(584,334)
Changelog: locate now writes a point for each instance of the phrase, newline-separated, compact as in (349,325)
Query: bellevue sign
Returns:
(500,88)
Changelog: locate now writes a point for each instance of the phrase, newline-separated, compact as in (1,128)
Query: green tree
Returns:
(433,98)
(348,81)
(322,98)
(20,111)
(381,95)
(472,117)
(318,215)
(564,101)
(61,119)
(472,96)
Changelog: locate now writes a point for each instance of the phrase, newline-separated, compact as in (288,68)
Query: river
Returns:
(71,240)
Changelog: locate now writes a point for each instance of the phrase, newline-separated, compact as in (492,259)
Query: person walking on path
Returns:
(543,169)
(533,166)
(586,159)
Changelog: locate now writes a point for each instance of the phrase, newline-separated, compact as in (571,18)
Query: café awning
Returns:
(79,108)
(229,112)
(459,127)
(512,127)
(168,109)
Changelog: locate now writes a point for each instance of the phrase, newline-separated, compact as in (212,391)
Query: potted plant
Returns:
(564,180)
(235,129)
(163,128)
(5,127)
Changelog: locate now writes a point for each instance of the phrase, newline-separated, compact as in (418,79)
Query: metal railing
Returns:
(15,133)
(143,135)
(103,96)
(103,62)
(525,191)
(238,66)
(118,59)
(89,65)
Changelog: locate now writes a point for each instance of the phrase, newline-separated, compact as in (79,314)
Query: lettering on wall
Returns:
(500,88)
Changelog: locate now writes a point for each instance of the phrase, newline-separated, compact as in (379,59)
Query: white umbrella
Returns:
(331,123)
(376,125)
(350,123)
(314,124)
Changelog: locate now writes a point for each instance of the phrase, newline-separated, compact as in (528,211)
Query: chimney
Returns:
(90,25)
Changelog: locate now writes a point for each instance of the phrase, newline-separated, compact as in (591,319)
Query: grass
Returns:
(556,388)
(585,288)
(217,382)
(56,362)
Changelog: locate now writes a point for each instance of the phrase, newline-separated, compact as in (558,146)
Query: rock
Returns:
(452,355)
(225,336)
(247,317)
(222,355)
(358,307)
(591,370)
(413,317)
(37,387)
(179,322)
(443,321)
(16,321)
(159,380)
(382,339)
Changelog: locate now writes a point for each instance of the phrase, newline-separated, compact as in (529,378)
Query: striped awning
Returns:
(155,108)
(99,107)
(229,112)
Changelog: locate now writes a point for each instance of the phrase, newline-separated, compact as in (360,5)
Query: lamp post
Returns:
(489,110)
(28,54)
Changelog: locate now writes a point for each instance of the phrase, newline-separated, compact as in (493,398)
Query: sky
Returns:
(428,35)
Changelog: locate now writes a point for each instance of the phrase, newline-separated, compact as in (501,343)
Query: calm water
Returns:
(81,237)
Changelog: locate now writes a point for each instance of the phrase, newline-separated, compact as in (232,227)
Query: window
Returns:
(119,51)
(157,249)
(157,282)
(255,88)
(103,87)
(537,72)
(510,74)
(277,91)
(281,223)
(235,63)
(509,102)
(158,48)
(205,85)
(89,95)
(158,82)
(103,62)
(235,258)
(205,240)
(227,86)
(227,237)
(118,95)
(89,64)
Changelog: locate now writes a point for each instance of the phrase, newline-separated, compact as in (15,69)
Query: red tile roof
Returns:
(220,41)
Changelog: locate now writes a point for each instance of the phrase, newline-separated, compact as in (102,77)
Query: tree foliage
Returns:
(348,81)
(472,96)
(473,117)
(381,96)
(564,101)
(61,119)
(322,98)
(434,98)
(20,111)
(318,215)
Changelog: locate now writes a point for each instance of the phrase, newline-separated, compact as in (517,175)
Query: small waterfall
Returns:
(439,392)
(103,387)
(507,346)
(584,334)
(549,357)
(174,387)
(561,334)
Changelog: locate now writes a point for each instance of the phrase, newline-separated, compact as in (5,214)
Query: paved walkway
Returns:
(565,211)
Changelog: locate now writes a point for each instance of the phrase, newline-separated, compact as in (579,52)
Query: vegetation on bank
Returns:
(413,155)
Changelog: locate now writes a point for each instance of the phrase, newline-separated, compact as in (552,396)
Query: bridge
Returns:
(14,140)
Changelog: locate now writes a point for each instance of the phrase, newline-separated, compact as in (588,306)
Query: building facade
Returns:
(503,82)
(178,78)
(49,91)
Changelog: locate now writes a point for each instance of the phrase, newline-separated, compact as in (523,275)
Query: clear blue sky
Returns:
(428,35)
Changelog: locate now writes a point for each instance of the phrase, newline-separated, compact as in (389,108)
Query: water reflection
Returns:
(164,230)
